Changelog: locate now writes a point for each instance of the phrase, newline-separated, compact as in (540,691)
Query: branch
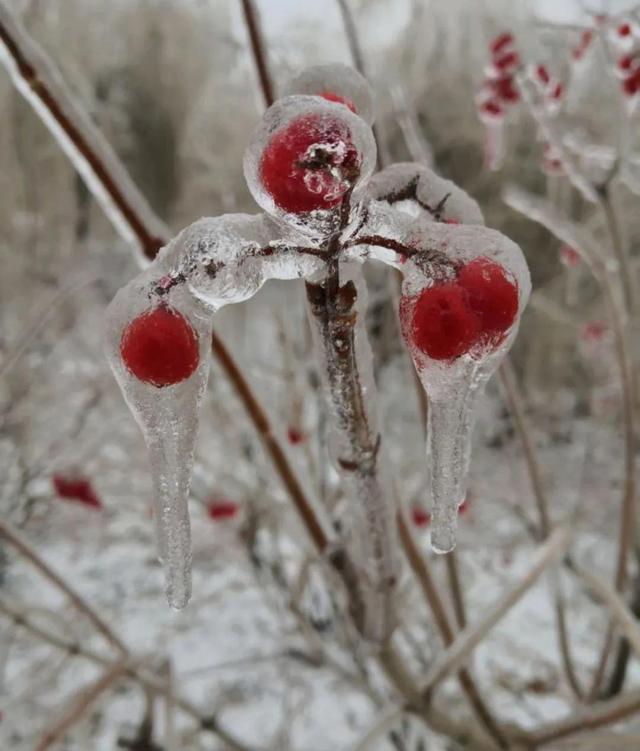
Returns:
(85,697)
(458,653)
(28,553)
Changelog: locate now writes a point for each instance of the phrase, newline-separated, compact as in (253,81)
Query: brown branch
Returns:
(252,21)
(85,697)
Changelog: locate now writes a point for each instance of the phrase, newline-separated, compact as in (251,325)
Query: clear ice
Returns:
(405,216)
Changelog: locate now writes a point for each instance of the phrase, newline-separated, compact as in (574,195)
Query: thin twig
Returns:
(458,653)
(29,554)
(85,697)
(252,21)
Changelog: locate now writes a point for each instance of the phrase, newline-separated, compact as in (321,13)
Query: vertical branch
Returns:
(352,36)
(252,21)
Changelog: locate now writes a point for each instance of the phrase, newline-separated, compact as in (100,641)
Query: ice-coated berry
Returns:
(444,326)
(160,347)
(310,164)
(420,516)
(476,309)
(221,508)
(76,489)
(330,96)
(491,295)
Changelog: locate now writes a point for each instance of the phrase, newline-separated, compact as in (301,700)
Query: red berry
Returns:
(507,61)
(310,164)
(631,84)
(594,332)
(444,327)
(464,506)
(77,489)
(420,516)
(624,30)
(492,296)
(160,347)
(501,42)
(331,97)
(222,509)
(625,62)
(505,89)
(557,91)
(295,435)
(543,74)
(491,108)
(569,256)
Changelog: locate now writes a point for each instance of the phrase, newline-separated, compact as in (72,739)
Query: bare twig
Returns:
(85,697)
(458,653)
(252,21)
(28,553)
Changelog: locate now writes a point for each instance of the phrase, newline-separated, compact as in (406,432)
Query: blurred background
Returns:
(172,86)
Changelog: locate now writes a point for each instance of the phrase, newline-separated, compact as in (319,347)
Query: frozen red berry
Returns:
(76,489)
(221,508)
(542,74)
(624,30)
(507,61)
(310,164)
(505,89)
(626,62)
(160,347)
(295,435)
(444,326)
(569,256)
(501,42)
(491,109)
(332,97)
(492,295)
(420,517)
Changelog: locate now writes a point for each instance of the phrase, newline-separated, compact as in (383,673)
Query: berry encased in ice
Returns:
(476,309)
(331,97)
(310,164)
(444,326)
(491,295)
(160,347)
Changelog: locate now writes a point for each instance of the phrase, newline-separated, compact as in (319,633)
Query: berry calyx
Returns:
(310,164)
(476,309)
(330,96)
(160,347)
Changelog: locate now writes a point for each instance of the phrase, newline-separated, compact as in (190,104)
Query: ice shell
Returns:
(429,188)
(227,259)
(319,221)
(339,79)
(168,417)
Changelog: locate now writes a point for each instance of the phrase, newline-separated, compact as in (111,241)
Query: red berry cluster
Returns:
(160,347)
(628,62)
(76,489)
(499,90)
(474,310)
(311,163)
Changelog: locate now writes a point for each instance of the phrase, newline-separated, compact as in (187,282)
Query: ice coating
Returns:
(420,192)
(168,417)
(453,385)
(338,80)
(227,259)
(432,255)
(345,363)
(306,155)
(211,263)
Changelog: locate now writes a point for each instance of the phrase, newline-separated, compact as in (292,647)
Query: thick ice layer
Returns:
(336,80)
(420,192)
(306,155)
(168,417)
